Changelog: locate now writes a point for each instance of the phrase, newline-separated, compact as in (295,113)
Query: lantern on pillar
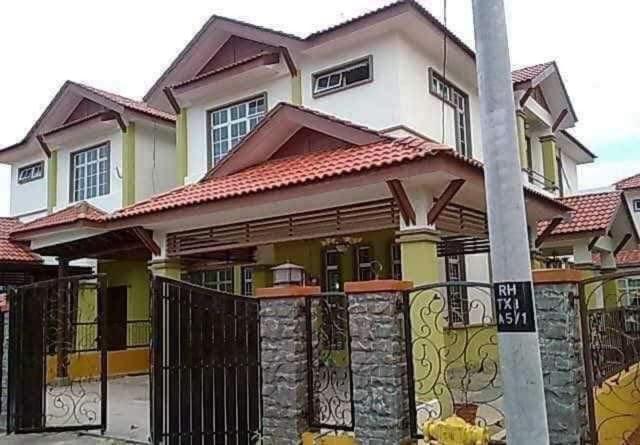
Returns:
(288,274)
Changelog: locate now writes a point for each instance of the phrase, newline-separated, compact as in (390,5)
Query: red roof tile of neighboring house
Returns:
(529,73)
(132,104)
(294,170)
(82,211)
(628,258)
(591,213)
(11,251)
(629,183)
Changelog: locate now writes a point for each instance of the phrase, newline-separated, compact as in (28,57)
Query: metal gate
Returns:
(206,365)
(610,322)
(452,356)
(330,380)
(57,359)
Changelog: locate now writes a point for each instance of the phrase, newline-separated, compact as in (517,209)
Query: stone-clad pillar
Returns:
(378,361)
(284,363)
(558,317)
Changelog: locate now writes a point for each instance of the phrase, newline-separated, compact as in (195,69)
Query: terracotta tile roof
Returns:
(591,213)
(628,258)
(530,72)
(629,183)
(294,170)
(11,251)
(81,211)
(126,102)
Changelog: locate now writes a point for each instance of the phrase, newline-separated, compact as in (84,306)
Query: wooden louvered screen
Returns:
(344,220)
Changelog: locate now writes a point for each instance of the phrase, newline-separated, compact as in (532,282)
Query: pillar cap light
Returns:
(288,274)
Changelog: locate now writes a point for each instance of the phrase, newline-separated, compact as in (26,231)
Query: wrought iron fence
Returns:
(610,324)
(453,368)
(330,381)
(615,340)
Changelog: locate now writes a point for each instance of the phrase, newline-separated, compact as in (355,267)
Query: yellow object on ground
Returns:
(455,431)
(310,439)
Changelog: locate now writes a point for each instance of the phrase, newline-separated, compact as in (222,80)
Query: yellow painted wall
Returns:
(86,365)
(618,408)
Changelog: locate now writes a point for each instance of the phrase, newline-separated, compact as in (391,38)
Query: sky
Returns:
(124,46)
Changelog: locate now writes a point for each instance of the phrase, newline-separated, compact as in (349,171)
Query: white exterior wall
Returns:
(632,195)
(480,299)
(421,110)
(374,104)
(109,202)
(155,160)
(30,197)
(569,174)
(277,90)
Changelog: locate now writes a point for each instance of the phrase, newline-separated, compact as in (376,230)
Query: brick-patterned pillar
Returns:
(284,363)
(378,361)
(558,317)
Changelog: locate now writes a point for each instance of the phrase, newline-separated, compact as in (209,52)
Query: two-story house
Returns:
(353,152)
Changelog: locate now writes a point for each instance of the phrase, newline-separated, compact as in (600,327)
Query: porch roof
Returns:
(626,258)
(591,214)
(302,169)
(11,251)
(80,213)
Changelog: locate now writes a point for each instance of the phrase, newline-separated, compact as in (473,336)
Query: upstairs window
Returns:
(90,172)
(342,77)
(459,100)
(636,205)
(229,124)
(31,172)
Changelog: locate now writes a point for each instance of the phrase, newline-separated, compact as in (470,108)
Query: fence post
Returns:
(558,317)
(4,363)
(379,361)
(284,363)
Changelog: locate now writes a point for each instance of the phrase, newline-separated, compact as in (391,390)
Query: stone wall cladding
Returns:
(380,380)
(558,316)
(284,370)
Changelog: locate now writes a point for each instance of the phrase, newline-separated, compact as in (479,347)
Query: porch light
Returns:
(288,274)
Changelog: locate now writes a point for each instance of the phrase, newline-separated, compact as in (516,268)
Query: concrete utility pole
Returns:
(524,401)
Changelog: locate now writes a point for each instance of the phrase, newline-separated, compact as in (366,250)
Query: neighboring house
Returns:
(337,151)
(92,152)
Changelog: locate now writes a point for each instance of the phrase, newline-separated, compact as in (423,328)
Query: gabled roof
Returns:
(591,213)
(277,126)
(81,212)
(529,73)
(91,93)
(294,170)
(534,75)
(11,251)
(290,40)
(632,182)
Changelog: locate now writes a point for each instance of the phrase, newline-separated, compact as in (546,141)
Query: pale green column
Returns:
(522,137)
(182,148)
(549,163)
(52,181)
(420,265)
(166,268)
(129,165)
(296,89)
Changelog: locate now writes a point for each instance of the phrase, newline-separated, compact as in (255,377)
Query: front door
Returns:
(116,318)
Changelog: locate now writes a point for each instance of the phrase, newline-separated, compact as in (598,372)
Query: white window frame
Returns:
(247,280)
(229,124)
(336,79)
(636,205)
(90,175)
(459,100)
(31,172)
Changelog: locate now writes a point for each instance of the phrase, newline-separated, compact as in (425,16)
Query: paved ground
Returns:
(127,418)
